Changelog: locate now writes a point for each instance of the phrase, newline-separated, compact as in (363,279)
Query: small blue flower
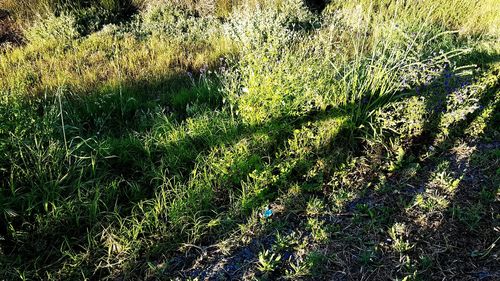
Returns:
(267,213)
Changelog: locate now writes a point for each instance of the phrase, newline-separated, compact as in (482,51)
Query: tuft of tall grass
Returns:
(469,17)
(355,62)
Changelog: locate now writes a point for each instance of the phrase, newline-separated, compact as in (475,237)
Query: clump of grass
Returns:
(53,30)
(268,262)
(300,78)
(397,233)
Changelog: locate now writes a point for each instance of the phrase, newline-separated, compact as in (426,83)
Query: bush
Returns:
(172,21)
(53,30)
(90,15)
(354,61)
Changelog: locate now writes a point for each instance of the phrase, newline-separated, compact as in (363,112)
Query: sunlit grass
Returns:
(122,146)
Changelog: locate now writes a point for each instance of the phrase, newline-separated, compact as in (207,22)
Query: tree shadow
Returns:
(395,201)
(385,205)
(317,5)
(126,109)
(466,226)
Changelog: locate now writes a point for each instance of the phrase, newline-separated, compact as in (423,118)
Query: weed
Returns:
(398,233)
(268,261)
(318,230)
(315,207)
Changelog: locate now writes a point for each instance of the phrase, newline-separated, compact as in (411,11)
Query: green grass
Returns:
(150,145)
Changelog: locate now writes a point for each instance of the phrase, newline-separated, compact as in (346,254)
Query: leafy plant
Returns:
(268,262)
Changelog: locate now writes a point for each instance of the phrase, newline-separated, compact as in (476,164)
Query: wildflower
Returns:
(245,90)
(268,212)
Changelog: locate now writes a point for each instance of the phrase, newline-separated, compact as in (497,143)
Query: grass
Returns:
(259,140)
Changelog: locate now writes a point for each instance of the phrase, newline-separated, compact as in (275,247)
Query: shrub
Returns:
(53,30)
(353,62)
(178,24)
(90,15)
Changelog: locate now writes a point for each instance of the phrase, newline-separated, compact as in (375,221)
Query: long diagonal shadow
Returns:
(436,106)
(282,128)
(418,148)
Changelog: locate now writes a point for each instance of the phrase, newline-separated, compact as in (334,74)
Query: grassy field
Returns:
(254,140)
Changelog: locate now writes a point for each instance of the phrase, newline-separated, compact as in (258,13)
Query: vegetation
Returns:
(262,139)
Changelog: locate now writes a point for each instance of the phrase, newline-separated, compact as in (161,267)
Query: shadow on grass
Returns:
(53,169)
(113,117)
(440,246)
(285,132)
(437,248)
(372,212)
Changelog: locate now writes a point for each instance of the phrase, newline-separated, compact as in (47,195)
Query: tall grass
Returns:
(355,61)
(468,17)
(176,127)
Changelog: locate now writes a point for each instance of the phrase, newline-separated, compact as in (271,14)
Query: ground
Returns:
(266,140)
